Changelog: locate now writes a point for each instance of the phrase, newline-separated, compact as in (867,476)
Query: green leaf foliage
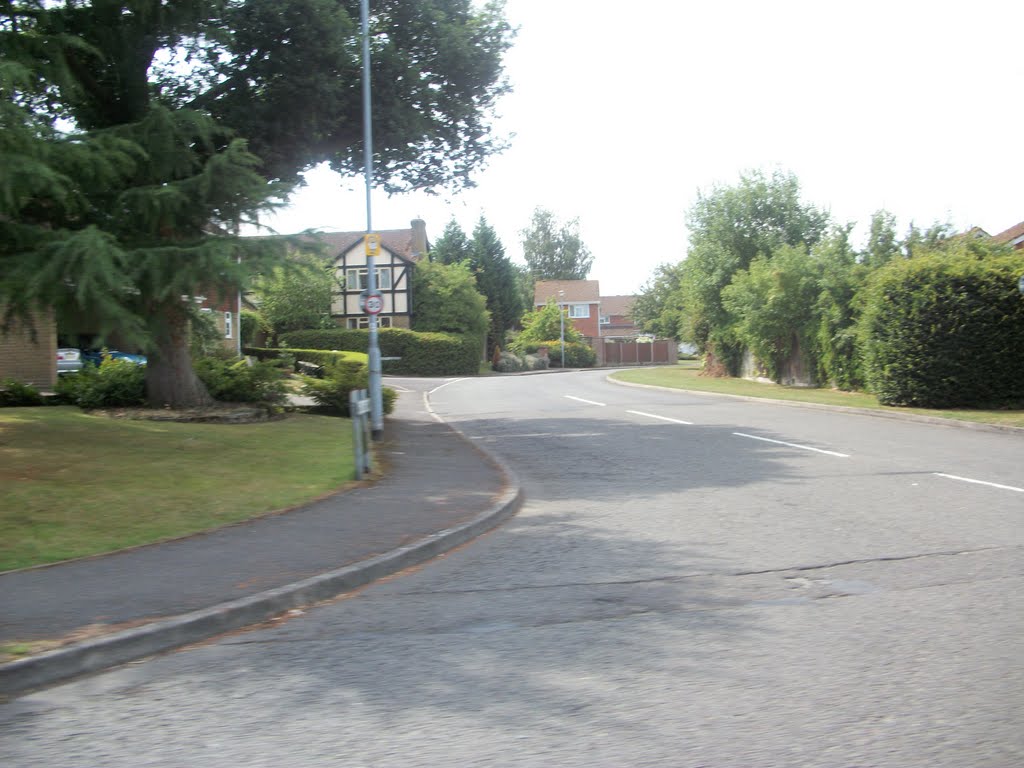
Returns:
(543,324)
(340,379)
(415,353)
(555,251)
(729,228)
(446,300)
(773,303)
(296,294)
(112,384)
(945,329)
(236,381)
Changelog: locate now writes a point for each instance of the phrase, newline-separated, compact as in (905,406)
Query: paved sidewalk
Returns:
(438,491)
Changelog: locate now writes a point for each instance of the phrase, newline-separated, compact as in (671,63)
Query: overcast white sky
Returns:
(621,113)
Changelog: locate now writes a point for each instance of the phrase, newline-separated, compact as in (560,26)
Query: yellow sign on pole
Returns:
(372,245)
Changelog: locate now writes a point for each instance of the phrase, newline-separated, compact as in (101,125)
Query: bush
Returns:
(510,363)
(15,394)
(341,377)
(577,353)
(418,354)
(239,382)
(112,384)
(945,330)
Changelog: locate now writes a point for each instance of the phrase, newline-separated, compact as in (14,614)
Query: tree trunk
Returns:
(170,380)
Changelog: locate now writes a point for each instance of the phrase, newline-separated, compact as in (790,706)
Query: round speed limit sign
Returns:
(374,304)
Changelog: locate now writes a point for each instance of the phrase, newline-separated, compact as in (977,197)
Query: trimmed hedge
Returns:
(419,354)
(941,331)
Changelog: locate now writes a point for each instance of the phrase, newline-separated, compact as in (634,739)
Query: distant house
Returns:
(616,318)
(581,299)
(401,249)
(1014,236)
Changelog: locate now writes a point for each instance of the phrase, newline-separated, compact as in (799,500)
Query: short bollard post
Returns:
(359,411)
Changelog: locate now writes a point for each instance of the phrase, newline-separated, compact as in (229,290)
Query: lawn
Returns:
(686,376)
(74,484)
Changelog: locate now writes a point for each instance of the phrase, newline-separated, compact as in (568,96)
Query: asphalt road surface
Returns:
(693,581)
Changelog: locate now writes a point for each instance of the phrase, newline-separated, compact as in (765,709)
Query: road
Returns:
(693,581)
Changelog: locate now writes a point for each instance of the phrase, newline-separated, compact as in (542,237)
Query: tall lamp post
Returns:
(373,352)
(561,328)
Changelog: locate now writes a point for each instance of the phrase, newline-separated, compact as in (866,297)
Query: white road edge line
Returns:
(581,400)
(793,445)
(979,482)
(662,418)
(428,393)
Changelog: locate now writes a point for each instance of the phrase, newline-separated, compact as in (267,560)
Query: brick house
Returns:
(1014,236)
(616,318)
(28,350)
(581,299)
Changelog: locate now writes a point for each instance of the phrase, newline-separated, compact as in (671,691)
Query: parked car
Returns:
(69,360)
(95,356)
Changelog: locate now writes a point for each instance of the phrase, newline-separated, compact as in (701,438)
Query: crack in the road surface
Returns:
(705,574)
(882,559)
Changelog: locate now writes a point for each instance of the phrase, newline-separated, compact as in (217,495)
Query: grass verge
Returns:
(75,484)
(686,376)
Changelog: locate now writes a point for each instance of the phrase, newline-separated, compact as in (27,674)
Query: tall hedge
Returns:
(945,330)
(418,354)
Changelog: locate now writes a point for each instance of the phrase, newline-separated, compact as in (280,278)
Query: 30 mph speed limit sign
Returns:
(372,303)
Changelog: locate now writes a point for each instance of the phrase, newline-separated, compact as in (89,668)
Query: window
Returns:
(604,320)
(364,322)
(579,310)
(355,279)
(228,325)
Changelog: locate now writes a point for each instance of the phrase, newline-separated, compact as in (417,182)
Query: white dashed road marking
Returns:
(662,418)
(588,402)
(980,482)
(792,445)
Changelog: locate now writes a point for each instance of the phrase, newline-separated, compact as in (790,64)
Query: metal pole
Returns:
(561,329)
(376,407)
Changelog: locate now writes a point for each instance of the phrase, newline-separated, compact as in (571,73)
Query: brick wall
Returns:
(27,358)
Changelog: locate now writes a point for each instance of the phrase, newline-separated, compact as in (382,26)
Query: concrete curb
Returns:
(167,634)
(920,418)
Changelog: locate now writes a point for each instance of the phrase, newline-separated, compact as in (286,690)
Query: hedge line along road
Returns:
(692,581)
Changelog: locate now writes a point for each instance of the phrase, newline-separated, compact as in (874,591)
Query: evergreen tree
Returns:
(496,280)
(134,201)
(447,300)
(452,246)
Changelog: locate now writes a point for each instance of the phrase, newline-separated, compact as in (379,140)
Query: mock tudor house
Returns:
(401,250)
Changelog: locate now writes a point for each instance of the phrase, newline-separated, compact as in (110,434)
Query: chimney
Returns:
(419,238)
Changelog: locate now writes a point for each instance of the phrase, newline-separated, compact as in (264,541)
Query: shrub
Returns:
(112,384)
(417,354)
(509,363)
(945,330)
(239,382)
(15,394)
(577,353)
(341,377)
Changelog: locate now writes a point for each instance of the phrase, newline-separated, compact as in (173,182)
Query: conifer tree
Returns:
(496,280)
(137,137)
